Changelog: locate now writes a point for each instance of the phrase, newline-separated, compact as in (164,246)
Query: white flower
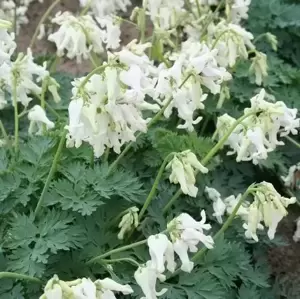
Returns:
(212,193)
(102,8)
(268,206)
(38,118)
(164,13)
(106,287)
(184,166)
(231,41)
(219,206)
(78,36)
(291,179)
(181,248)
(253,223)
(219,209)
(239,10)
(86,289)
(231,202)
(161,251)
(257,135)
(146,277)
(186,233)
(55,293)
(259,67)
(129,220)
(106,113)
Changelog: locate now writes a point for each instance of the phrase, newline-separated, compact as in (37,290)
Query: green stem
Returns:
(171,201)
(43,94)
(292,141)
(226,224)
(51,173)
(210,155)
(3,131)
(14,94)
(142,25)
(198,8)
(19,276)
(155,185)
(42,20)
(259,37)
(52,110)
(54,64)
(106,154)
(117,250)
(86,8)
(212,17)
(120,260)
(96,70)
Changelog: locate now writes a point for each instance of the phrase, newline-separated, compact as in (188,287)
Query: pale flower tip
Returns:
(187,267)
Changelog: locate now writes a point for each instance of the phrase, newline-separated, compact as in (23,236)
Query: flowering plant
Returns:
(140,177)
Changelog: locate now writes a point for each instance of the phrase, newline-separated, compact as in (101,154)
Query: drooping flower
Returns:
(79,35)
(184,166)
(146,277)
(291,179)
(161,251)
(128,222)
(219,206)
(106,288)
(38,120)
(186,233)
(259,67)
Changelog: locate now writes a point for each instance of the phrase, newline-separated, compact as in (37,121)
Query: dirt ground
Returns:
(285,261)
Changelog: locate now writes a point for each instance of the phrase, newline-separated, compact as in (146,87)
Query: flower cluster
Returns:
(106,112)
(129,221)
(185,234)
(9,11)
(256,136)
(194,67)
(84,288)
(101,8)
(268,207)
(81,35)
(185,166)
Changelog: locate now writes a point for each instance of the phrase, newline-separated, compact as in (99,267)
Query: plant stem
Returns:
(212,17)
(42,20)
(155,185)
(125,259)
(15,102)
(106,154)
(86,8)
(54,64)
(198,8)
(226,224)
(117,250)
(210,154)
(151,123)
(19,276)
(292,141)
(51,173)
(92,73)
(3,131)
(52,110)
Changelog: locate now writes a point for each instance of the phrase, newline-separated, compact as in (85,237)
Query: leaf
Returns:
(3,159)
(32,243)
(248,292)
(9,290)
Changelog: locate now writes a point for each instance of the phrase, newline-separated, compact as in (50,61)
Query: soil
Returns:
(43,47)
(285,261)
